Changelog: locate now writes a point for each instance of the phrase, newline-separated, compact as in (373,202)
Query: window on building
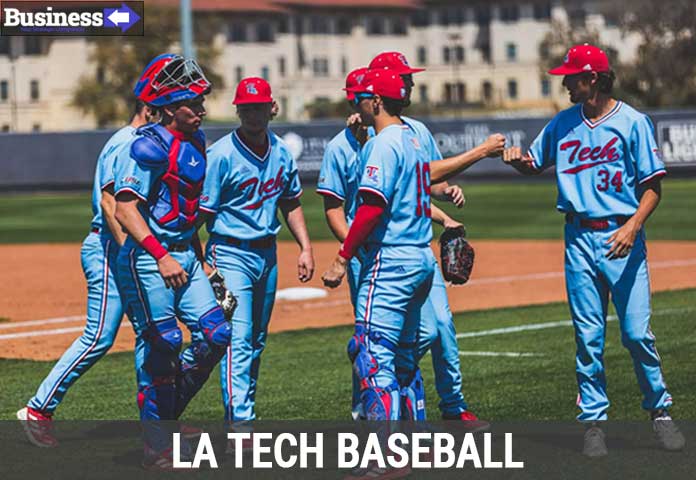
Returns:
(542,11)
(4,90)
(239,74)
(4,45)
(265,72)
(422,55)
(576,15)
(34,93)
(100,75)
(299,25)
(443,17)
(281,66)
(512,89)
(5,128)
(545,87)
(456,15)
(483,14)
(283,107)
(32,45)
(36,127)
(284,25)
(455,93)
(446,55)
(486,91)
(319,25)
(420,18)
(344,65)
(423,93)
(264,32)
(399,26)
(511,52)
(375,25)
(344,25)
(320,66)
(237,32)
(509,13)
(459,54)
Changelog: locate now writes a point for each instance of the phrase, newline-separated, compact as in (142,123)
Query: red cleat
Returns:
(470,422)
(38,427)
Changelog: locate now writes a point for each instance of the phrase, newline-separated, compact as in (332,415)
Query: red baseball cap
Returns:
(393,61)
(583,58)
(383,82)
(252,90)
(353,80)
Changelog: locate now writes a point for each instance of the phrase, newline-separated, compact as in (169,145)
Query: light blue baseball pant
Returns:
(167,380)
(437,333)
(104,314)
(251,274)
(590,278)
(394,284)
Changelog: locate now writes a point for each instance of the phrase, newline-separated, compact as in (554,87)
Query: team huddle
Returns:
(157,183)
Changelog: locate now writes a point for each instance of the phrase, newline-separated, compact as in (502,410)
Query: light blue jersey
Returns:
(396,168)
(243,189)
(338,176)
(425,138)
(599,166)
(104,173)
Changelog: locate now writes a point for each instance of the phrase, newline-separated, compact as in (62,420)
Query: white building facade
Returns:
(479,56)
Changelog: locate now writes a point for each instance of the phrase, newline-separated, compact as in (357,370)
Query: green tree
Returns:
(108,92)
(663,73)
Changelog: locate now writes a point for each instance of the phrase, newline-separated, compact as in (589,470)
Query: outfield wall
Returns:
(66,160)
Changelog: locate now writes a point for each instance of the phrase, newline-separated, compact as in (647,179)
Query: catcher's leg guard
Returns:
(378,402)
(413,398)
(156,400)
(200,358)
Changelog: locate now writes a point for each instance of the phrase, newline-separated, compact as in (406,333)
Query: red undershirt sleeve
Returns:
(366,219)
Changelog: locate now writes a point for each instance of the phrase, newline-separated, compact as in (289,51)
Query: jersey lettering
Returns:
(266,190)
(598,155)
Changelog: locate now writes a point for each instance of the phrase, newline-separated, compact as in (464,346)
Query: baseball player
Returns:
(338,178)
(160,174)
(608,172)
(251,175)
(104,310)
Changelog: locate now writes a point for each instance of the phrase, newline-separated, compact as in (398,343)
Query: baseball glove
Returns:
(224,297)
(457,256)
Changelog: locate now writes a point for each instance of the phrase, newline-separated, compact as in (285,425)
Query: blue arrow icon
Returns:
(123,17)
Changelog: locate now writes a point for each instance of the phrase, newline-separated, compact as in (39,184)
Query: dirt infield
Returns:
(44,290)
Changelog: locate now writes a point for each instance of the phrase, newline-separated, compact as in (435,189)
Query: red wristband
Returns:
(153,247)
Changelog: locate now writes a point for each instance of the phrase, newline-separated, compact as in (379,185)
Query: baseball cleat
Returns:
(247,446)
(666,432)
(373,471)
(189,432)
(38,427)
(470,422)
(594,445)
(162,461)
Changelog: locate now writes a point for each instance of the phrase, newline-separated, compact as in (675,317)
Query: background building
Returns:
(480,56)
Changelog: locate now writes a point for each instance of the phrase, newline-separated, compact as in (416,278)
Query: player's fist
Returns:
(514,155)
(494,145)
(334,275)
(174,276)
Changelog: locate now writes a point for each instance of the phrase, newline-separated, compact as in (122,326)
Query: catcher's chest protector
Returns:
(174,203)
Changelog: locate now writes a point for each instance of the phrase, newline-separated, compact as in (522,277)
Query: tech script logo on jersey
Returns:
(72,18)
(588,157)
(372,173)
(259,192)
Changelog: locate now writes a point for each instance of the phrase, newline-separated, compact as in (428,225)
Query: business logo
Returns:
(101,18)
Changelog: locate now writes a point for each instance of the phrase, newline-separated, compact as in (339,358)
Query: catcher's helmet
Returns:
(169,78)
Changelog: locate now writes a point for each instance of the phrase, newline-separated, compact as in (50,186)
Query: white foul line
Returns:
(498,354)
(41,333)
(50,321)
(563,323)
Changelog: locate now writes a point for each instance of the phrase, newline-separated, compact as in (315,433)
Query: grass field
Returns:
(493,210)
(305,374)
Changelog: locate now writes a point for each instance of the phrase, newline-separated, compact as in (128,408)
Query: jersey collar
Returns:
(603,119)
(248,152)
